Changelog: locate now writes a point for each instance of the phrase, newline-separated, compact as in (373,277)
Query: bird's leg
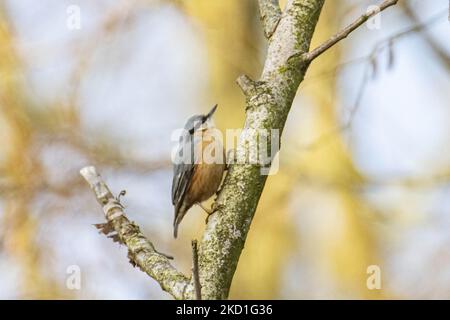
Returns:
(230,158)
(209,212)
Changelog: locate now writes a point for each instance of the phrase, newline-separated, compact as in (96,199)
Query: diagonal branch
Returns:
(270,13)
(140,250)
(268,101)
(310,56)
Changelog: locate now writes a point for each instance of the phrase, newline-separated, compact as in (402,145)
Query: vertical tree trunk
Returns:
(268,102)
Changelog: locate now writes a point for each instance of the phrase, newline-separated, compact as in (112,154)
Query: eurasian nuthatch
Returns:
(195,180)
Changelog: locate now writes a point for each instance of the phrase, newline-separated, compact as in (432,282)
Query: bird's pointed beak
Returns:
(210,113)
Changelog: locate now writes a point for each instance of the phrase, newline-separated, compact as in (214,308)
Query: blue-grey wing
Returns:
(182,173)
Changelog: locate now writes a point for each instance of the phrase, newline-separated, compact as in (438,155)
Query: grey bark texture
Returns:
(268,101)
(270,13)
(141,251)
(267,105)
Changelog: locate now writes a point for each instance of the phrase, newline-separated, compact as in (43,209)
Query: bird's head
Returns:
(200,121)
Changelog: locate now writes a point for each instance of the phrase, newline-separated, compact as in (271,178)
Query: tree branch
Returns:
(247,85)
(140,250)
(268,102)
(270,13)
(195,275)
(310,56)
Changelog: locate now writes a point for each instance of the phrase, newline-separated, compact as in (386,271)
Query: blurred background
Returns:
(364,167)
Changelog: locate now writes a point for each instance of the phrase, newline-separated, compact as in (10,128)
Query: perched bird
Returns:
(194,179)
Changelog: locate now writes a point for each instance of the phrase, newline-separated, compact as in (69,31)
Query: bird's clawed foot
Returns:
(209,212)
(230,159)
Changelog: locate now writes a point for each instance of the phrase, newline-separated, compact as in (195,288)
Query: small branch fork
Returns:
(248,86)
(270,15)
(313,54)
(141,251)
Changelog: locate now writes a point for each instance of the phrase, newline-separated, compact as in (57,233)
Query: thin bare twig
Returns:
(379,46)
(195,273)
(371,60)
(310,56)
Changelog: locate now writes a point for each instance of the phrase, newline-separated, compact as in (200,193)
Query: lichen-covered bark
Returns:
(270,15)
(141,251)
(267,104)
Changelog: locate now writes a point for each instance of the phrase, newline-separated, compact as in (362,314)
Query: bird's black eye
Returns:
(204,118)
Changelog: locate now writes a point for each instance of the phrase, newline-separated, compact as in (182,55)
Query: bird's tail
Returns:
(175,228)
(180,212)
(176,221)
